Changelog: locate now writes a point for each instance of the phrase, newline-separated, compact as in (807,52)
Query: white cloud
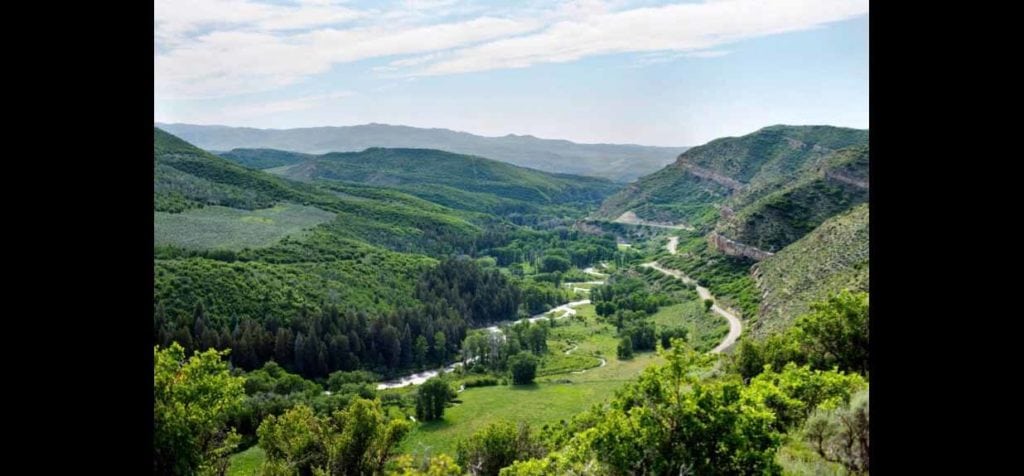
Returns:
(216,48)
(225,63)
(684,27)
(428,4)
(707,54)
(242,113)
(175,19)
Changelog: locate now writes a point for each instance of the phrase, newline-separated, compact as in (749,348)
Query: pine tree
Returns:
(159,321)
(284,347)
(184,337)
(198,318)
(299,353)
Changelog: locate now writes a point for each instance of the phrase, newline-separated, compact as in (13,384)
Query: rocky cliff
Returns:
(735,248)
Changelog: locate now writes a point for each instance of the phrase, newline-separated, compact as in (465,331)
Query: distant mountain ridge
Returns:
(458,181)
(618,162)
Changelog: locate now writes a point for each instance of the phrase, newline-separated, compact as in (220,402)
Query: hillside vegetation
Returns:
(365,312)
(348,270)
(779,218)
(264,158)
(831,258)
(619,162)
(454,180)
(729,171)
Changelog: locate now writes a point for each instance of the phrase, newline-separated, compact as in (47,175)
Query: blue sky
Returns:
(643,72)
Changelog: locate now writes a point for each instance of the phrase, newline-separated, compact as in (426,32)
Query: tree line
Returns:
(453,297)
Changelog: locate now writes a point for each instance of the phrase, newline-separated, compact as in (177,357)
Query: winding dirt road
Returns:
(735,326)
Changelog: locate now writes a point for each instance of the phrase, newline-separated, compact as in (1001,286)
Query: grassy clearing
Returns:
(706,328)
(558,394)
(248,462)
(537,404)
(231,228)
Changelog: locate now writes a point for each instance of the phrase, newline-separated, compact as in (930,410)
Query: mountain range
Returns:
(618,162)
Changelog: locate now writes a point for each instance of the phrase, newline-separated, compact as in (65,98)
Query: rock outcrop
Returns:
(735,248)
(727,182)
(841,177)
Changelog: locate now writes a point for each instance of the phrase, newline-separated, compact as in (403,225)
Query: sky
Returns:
(646,72)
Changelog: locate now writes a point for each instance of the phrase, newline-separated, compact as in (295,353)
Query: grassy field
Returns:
(247,463)
(231,228)
(566,384)
(558,393)
(706,328)
(537,404)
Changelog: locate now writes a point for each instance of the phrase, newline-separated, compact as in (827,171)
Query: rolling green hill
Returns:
(619,162)
(239,248)
(730,170)
(454,180)
(187,178)
(832,257)
(318,276)
(264,158)
(235,238)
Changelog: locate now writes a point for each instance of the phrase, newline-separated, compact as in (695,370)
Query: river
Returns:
(566,309)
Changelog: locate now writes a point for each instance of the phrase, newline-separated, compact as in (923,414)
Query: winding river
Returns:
(418,378)
(568,309)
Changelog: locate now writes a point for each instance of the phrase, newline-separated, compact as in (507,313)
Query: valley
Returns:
(457,295)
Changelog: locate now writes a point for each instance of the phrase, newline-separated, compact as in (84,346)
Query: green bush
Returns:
(523,367)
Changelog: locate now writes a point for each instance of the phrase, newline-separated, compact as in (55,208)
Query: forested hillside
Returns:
(355,272)
(619,162)
(454,180)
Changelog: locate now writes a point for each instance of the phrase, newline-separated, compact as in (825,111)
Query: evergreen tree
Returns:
(183,336)
(284,347)
(300,352)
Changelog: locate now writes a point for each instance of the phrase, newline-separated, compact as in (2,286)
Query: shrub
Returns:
(524,368)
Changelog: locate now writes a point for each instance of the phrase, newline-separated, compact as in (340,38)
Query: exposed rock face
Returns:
(730,183)
(841,177)
(735,248)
